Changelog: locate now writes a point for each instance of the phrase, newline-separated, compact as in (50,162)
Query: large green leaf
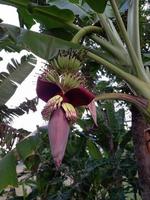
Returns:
(17,73)
(8,171)
(23,150)
(28,146)
(51,16)
(61,33)
(97,5)
(42,45)
(78,10)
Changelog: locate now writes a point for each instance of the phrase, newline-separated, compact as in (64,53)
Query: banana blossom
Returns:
(60,111)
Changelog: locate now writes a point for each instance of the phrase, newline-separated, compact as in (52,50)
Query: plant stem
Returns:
(133,27)
(84,31)
(73,26)
(111,31)
(136,83)
(139,68)
(139,101)
(113,50)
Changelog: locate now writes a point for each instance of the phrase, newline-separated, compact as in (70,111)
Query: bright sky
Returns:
(27,89)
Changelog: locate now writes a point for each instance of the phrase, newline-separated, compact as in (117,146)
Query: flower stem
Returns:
(139,101)
(142,103)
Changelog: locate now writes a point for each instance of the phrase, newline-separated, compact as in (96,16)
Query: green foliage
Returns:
(97,5)
(7,114)
(42,45)
(17,73)
(7,88)
(25,147)
(79,9)
(25,18)
(51,16)
(8,163)
(93,150)
(8,171)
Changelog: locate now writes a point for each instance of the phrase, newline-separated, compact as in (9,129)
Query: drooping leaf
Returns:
(8,171)
(97,5)
(42,45)
(51,16)
(28,146)
(7,42)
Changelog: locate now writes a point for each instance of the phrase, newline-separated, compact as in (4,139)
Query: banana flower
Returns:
(60,109)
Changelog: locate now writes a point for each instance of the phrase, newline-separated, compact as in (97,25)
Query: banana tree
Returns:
(90,26)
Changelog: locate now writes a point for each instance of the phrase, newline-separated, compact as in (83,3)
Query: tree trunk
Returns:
(141,143)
